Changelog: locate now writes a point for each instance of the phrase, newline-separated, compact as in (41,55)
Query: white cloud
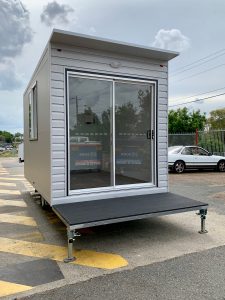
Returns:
(9,79)
(15,30)
(171,40)
(55,13)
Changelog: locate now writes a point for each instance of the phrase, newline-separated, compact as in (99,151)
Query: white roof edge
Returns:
(89,41)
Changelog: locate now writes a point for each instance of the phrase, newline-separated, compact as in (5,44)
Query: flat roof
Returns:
(92,42)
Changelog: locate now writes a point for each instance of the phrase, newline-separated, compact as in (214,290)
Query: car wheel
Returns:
(221,166)
(179,166)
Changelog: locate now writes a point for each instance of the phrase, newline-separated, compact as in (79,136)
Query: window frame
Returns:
(154,158)
(32,113)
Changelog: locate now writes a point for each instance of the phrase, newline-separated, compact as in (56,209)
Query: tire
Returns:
(221,166)
(179,166)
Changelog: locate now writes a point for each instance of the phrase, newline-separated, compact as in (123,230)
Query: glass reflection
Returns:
(132,123)
(89,133)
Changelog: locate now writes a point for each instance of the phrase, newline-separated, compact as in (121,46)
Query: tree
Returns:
(18,137)
(217,119)
(181,120)
(6,136)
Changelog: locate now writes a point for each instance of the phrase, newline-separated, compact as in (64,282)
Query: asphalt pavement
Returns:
(156,258)
(195,276)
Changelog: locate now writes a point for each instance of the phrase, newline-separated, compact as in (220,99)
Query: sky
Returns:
(193,28)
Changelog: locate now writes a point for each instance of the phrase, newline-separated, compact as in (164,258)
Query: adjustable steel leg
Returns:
(202,213)
(71,234)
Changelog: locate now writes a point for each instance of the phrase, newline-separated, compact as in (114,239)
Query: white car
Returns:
(193,157)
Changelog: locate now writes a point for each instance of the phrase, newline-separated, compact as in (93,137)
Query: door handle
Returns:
(150,134)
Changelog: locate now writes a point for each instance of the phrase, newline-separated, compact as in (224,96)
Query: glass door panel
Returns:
(90,127)
(133,133)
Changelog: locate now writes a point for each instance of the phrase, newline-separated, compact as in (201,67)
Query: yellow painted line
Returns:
(10,192)
(10,178)
(14,219)
(9,288)
(7,184)
(19,203)
(87,258)
(34,236)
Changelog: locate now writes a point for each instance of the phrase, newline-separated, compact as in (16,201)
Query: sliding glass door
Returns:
(132,133)
(111,132)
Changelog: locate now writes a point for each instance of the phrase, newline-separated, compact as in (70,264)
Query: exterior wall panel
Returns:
(97,61)
(37,153)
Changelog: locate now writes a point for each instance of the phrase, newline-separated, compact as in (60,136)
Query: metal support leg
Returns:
(71,234)
(202,214)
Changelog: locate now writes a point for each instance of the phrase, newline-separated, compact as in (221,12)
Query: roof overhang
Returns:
(92,42)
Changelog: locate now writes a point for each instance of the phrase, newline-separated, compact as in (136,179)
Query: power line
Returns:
(196,61)
(199,64)
(196,95)
(196,74)
(197,100)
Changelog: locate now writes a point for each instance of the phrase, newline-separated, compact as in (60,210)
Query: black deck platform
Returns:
(106,211)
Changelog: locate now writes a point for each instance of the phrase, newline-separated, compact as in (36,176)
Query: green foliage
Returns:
(212,142)
(6,137)
(181,120)
(217,119)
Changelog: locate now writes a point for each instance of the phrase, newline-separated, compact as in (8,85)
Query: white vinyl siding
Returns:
(99,62)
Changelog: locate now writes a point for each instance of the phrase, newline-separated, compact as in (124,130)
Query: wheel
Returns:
(221,166)
(179,166)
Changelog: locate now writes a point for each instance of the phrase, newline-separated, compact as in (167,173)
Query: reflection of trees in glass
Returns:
(126,118)
(144,116)
(87,122)
(129,118)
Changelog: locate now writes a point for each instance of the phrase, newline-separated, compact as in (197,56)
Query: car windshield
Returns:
(175,149)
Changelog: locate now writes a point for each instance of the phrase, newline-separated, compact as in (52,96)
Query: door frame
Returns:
(113,78)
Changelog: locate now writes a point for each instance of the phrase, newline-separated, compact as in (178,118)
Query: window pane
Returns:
(33,131)
(35,112)
(89,133)
(132,133)
(30,116)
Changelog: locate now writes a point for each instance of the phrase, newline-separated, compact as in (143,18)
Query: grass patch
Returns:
(8,154)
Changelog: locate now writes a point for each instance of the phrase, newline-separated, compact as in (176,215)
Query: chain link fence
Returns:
(213,141)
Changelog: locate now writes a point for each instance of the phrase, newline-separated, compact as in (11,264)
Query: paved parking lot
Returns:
(33,241)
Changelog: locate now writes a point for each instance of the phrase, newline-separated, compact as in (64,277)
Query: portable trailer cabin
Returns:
(95,132)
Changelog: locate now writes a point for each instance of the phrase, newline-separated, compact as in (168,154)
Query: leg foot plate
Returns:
(202,232)
(67,260)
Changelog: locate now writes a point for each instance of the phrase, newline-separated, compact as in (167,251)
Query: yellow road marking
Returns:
(10,192)
(88,258)
(18,202)
(10,178)
(14,219)
(7,184)
(34,236)
(8,288)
